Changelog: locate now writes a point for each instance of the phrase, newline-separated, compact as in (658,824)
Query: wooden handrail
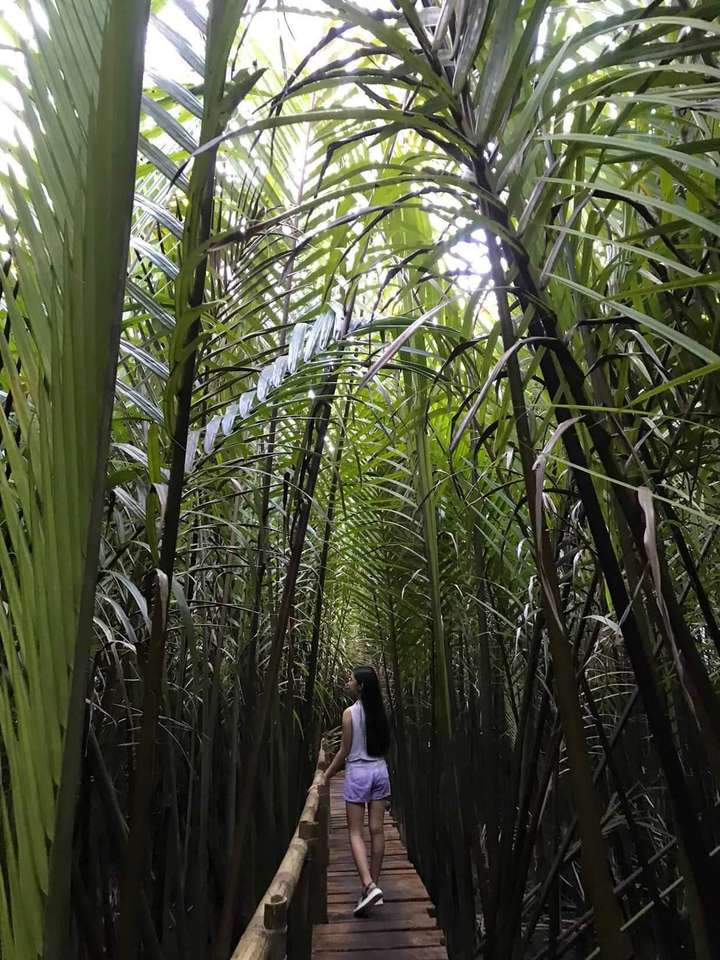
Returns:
(265,937)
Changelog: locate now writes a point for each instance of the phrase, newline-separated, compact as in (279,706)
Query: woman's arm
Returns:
(345,744)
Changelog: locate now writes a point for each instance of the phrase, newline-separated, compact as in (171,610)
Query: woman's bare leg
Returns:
(377,837)
(355,820)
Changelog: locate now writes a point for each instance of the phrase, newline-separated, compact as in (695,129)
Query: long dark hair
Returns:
(377,728)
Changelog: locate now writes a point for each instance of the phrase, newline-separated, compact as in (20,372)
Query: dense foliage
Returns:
(417,363)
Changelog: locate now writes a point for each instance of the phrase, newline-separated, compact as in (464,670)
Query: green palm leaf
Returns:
(63,301)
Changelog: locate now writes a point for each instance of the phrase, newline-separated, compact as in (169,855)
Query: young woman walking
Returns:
(365,741)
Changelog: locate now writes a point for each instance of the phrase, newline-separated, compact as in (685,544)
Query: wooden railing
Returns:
(297,896)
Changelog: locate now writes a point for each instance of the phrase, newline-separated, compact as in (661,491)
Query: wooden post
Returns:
(310,833)
(275,922)
(301,912)
(319,894)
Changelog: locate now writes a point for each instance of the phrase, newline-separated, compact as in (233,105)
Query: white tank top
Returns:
(358,747)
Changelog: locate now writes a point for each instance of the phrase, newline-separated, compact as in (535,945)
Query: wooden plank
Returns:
(414,953)
(343,901)
(351,892)
(376,922)
(395,867)
(347,865)
(397,879)
(341,856)
(377,940)
(342,912)
(338,836)
(407,881)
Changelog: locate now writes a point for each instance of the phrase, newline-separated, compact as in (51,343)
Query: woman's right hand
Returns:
(319,783)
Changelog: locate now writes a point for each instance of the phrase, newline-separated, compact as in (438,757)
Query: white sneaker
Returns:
(369,897)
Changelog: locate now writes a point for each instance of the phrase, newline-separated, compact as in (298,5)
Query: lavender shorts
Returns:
(365,781)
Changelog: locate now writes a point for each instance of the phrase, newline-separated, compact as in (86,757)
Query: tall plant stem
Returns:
(223,21)
(312,665)
(614,944)
(312,453)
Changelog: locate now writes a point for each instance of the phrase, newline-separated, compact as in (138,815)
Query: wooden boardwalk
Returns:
(403,928)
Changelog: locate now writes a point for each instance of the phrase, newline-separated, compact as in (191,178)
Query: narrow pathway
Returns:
(404,928)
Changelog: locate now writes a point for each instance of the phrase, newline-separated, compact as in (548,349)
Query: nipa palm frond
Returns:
(68,202)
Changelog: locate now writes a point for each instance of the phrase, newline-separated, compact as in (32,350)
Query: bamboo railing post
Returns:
(311,833)
(322,858)
(300,939)
(275,923)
